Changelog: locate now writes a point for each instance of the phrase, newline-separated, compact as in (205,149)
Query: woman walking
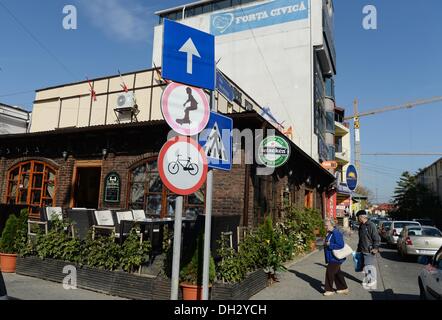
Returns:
(333,241)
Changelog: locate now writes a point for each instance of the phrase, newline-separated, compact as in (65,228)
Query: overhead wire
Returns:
(39,43)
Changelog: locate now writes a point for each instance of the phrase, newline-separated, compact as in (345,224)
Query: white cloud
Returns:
(121,19)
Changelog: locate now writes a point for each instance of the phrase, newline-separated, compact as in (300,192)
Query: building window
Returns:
(147,192)
(32,183)
(330,87)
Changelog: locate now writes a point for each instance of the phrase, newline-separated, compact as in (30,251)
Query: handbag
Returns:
(342,253)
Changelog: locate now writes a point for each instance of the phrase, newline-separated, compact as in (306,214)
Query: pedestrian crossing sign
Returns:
(216,140)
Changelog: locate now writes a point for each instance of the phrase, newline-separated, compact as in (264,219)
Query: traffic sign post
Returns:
(216,140)
(352,183)
(186,109)
(182,165)
(188,58)
(188,55)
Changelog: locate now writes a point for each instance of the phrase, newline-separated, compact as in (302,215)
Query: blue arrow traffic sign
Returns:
(188,55)
(352,177)
(216,140)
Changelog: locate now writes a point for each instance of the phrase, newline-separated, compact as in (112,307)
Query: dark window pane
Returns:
(38,167)
(196,198)
(13,189)
(171,205)
(23,196)
(25,181)
(193,212)
(26,168)
(139,174)
(14,175)
(36,196)
(152,166)
(207,8)
(154,204)
(38,181)
(155,184)
(137,193)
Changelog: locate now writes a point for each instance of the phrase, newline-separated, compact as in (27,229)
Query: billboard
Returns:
(267,14)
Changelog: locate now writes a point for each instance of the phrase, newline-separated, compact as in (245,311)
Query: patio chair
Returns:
(82,221)
(125,228)
(104,221)
(139,215)
(47,216)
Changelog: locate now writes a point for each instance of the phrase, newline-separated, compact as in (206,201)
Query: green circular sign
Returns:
(274,151)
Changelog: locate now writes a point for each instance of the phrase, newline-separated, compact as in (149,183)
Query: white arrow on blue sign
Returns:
(188,55)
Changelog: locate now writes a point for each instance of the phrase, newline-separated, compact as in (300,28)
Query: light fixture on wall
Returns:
(104,152)
(65,155)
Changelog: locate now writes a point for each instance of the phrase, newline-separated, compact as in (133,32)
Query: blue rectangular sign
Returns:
(267,14)
(223,86)
(216,140)
(188,55)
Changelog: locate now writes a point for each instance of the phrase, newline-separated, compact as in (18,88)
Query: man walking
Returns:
(369,242)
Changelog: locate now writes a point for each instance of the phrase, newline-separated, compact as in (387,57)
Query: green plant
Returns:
(58,244)
(192,273)
(134,253)
(230,268)
(102,253)
(22,232)
(9,235)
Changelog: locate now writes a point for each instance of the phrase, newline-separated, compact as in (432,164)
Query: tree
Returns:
(414,200)
(365,192)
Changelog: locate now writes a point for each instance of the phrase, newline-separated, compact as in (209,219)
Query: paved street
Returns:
(397,279)
(28,288)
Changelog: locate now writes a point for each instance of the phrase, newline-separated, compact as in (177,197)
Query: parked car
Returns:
(430,278)
(395,230)
(419,241)
(384,227)
(425,222)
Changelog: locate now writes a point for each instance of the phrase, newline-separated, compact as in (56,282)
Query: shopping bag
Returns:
(358,260)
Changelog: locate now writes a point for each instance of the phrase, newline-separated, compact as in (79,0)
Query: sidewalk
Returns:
(304,280)
(28,288)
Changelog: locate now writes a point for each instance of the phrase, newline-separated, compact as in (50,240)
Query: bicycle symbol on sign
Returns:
(174,167)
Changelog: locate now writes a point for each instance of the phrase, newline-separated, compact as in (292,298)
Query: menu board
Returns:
(112,188)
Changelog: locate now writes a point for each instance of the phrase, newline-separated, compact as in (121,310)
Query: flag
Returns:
(289,132)
(93,93)
(159,74)
(123,84)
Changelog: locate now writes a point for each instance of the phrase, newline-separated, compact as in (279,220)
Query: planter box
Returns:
(131,286)
(251,285)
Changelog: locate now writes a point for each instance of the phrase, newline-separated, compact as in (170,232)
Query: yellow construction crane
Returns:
(358,115)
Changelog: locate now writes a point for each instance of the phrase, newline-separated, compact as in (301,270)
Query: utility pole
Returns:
(357,137)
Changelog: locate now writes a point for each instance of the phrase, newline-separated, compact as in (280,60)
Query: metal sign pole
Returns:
(208,222)
(176,248)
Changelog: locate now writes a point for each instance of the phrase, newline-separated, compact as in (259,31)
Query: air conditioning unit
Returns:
(125,101)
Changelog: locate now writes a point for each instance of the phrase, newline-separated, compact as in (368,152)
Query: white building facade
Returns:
(281,52)
(13,119)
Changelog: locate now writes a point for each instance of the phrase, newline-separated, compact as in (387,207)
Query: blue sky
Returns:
(396,63)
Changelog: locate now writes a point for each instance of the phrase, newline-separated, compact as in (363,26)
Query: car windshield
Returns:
(401,225)
(431,232)
(386,224)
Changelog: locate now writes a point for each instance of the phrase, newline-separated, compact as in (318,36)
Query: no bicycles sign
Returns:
(182,164)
